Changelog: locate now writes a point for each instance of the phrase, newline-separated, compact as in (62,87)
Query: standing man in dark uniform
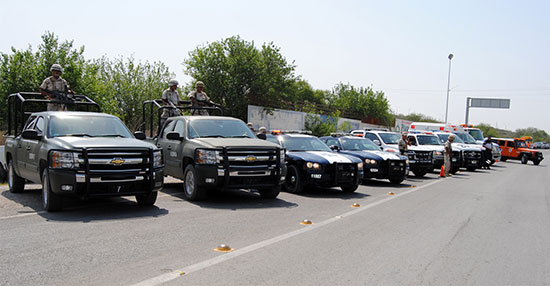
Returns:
(448,154)
(55,84)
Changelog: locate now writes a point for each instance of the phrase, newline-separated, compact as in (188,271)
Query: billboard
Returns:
(490,103)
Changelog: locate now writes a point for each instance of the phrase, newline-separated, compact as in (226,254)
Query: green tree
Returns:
(234,70)
(417,117)
(488,130)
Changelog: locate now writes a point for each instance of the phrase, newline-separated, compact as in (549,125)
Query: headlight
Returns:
(370,161)
(157,159)
(203,156)
(282,154)
(60,159)
(311,165)
(391,150)
(438,153)
(360,165)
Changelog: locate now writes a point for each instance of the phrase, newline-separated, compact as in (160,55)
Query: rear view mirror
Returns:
(334,147)
(139,135)
(174,136)
(377,142)
(31,135)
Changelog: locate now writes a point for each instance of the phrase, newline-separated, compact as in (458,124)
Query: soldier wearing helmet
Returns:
(263,133)
(448,154)
(54,85)
(199,99)
(171,98)
(403,143)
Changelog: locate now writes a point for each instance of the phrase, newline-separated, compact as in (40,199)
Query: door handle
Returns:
(28,147)
(169,147)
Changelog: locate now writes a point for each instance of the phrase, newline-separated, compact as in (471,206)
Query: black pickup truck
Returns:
(216,152)
(78,153)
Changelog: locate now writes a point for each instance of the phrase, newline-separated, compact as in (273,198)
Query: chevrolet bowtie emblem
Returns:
(117,161)
(250,158)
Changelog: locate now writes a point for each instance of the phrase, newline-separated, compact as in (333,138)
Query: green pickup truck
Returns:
(78,153)
(219,153)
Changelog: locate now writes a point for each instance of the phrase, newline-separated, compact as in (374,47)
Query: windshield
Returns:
(467,138)
(87,126)
(358,144)
(521,144)
(445,137)
(304,144)
(222,128)
(476,133)
(390,138)
(428,140)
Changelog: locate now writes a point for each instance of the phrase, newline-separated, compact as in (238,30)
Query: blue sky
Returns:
(400,47)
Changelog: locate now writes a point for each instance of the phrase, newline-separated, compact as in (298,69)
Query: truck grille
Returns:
(420,156)
(342,172)
(472,155)
(107,161)
(249,167)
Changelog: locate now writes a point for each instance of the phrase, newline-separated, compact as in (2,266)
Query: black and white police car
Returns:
(310,162)
(376,163)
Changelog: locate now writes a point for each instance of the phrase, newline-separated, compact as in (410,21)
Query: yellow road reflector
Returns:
(413,186)
(223,248)
(306,221)
(181,273)
(391,194)
(356,205)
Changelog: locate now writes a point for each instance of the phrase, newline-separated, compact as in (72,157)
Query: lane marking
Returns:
(166,277)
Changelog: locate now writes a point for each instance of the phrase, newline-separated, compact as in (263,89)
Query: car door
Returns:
(176,147)
(23,149)
(166,146)
(32,165)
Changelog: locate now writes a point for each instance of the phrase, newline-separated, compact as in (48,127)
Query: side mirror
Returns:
(381,148)
(377,142)
(174,136)
(334,147)
(139,135)
(31,135)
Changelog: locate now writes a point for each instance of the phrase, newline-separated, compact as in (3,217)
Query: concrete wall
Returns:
(292,120)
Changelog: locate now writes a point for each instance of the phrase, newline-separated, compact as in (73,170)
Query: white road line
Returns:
(163,278)
(73,208)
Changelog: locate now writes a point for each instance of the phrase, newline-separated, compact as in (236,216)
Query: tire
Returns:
(270,193)
(492,162)
(191,190)
(503,159)
(397,181)
(50,201)
(293,182)
(15,183)
(524,159)
(147,199)
(471,169)
(349,188)
(536,162)
(419,173)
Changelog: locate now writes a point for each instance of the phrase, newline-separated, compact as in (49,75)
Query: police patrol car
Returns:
(310,162)
(376,163)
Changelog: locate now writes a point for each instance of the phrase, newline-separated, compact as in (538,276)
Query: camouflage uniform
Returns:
(174,98)
(50,84)
(448,154)
(202,97)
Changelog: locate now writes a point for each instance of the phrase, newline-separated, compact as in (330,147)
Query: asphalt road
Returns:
(489,227)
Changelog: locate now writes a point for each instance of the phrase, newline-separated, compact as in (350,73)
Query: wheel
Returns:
(524,159)
(293,183)
(349,188)
(270,193)
(419,173)
(503,159)
(397,180)
(147,199)
(190,188)
(15,183)
(493,162)
(51,201)
(536,162)
(471,169)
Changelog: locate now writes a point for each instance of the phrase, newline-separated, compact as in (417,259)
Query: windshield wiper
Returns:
(78,135)
(213,136)
(240,136)
(111,135)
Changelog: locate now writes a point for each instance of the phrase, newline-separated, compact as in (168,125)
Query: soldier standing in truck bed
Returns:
(199,99)
(171,98)
(55,84)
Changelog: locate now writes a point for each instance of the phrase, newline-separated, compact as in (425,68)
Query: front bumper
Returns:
(334,175)
(70,182)
(389,169)
(210,176)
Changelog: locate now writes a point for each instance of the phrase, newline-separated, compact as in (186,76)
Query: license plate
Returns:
(454,160)
(374,170)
